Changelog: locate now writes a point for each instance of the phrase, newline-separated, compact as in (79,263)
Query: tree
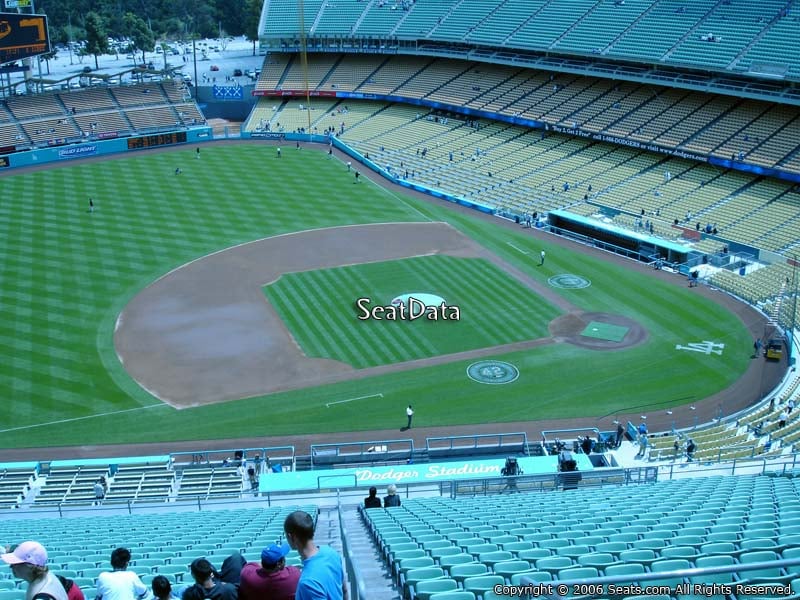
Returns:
(251,21)
(48,56)
(230,15)
(96,36)
(141,36)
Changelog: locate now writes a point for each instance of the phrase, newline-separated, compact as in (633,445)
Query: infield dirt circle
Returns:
(206,333)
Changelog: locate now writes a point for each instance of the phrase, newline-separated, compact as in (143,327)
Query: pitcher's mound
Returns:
(598,331)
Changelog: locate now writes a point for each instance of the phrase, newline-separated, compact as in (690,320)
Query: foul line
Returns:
(329,404)
(116,412)
(402,200)
(517,249)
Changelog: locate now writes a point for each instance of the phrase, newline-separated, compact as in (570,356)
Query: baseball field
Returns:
(220,301)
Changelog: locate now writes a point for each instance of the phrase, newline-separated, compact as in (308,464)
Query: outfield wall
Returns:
(386,173)
(96,148)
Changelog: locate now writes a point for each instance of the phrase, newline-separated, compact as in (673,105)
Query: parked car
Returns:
(215,67)
(237,72)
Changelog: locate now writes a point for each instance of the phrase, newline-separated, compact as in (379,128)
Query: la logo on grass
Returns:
(704,347)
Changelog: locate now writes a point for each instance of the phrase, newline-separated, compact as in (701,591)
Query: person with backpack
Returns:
(28,562)
(204,576)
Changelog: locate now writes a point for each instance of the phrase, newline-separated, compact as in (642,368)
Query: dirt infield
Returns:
(167,320)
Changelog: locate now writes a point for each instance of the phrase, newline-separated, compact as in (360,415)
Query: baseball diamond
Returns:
(191,335)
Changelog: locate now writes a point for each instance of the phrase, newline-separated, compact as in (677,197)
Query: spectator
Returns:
(252,478)
(271,578)
(231,569)
(74,592)
(372,501)
(29,562)
(691,447)
(322,575)
(784,416)
(391,499)
(162,589)
(203,574)
(99,491)
(642,445)
(120,584)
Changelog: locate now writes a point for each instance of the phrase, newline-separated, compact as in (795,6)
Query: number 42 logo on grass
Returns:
(704,347)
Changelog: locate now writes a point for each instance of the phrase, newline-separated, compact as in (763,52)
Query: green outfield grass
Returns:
(66,275)
(491,309)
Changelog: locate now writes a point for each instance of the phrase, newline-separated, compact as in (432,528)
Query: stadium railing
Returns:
(780,466)
(474,445)
(368,452)
(358,590)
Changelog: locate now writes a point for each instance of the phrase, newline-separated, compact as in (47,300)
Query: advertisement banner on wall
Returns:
(77,151)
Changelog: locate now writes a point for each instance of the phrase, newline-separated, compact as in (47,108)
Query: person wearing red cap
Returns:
(29,562)
(270,579)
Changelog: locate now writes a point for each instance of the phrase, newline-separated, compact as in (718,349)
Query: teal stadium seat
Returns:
(460,595)
(482,583)
(672,564)
(508,568)
(453,560)
(425,589)
(704,562)
(414,576)
(599,560)
(462,572)
(763,575)
(535,576)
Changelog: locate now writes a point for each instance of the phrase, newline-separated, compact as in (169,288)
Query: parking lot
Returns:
(230,62)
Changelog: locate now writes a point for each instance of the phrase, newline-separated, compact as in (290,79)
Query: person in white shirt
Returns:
(120,584)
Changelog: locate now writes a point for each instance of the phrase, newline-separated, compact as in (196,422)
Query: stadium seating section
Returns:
(727,35)
(75,115)
(473,543)
(700,123)
(130,483)
(80,547)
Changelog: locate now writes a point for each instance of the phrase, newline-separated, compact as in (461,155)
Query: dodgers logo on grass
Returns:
(567,281)
(492,371)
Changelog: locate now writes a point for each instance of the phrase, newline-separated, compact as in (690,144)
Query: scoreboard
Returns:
(22,36)
(161,139)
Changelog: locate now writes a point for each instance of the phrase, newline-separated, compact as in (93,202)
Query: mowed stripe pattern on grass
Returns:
(63,270)
(320,309)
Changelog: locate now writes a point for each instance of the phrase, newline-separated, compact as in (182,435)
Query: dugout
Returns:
(609,237)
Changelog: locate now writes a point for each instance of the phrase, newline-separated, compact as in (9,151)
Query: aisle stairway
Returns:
(368,559)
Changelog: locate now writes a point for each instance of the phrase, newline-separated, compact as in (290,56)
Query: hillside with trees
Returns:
(148,21)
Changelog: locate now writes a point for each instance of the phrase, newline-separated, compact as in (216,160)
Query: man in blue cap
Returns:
(271,578)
